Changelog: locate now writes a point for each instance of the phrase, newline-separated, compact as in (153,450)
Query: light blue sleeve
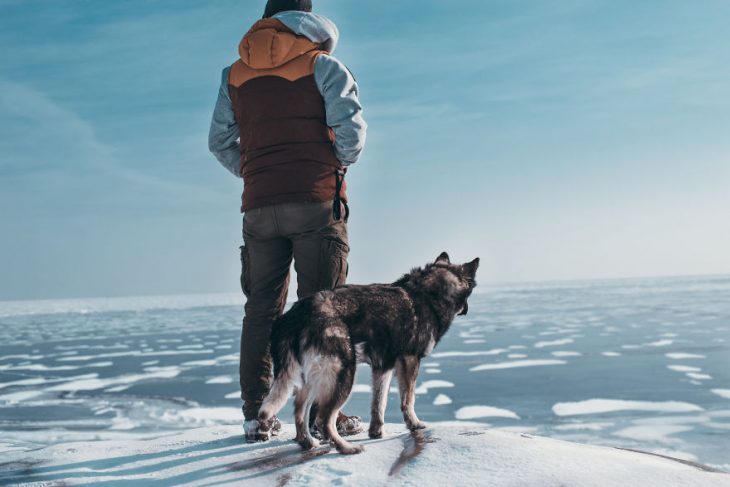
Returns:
(224,132)
(344,112)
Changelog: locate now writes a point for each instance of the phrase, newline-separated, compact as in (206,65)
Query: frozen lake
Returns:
(641,364)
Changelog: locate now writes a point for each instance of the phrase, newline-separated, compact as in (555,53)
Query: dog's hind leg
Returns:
(333,396)
(381,387)
(407,372)
(279,393)
(302,404)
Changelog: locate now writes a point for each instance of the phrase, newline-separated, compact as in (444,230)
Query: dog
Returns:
(316,345)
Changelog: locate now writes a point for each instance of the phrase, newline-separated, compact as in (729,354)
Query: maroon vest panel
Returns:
(287,152)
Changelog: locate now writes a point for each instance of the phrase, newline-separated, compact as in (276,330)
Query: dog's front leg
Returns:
(407,372)
(381,387)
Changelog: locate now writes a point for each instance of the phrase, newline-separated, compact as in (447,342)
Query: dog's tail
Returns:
(286,371)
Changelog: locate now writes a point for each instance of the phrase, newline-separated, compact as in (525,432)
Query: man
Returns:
(289,122)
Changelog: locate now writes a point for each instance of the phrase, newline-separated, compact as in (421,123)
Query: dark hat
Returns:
(273,7)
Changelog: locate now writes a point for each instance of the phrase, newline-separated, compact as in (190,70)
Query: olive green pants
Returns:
(274,236)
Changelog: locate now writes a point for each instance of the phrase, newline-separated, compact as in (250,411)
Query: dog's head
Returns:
(459,280)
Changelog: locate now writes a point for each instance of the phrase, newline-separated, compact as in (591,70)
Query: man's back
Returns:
(295,108)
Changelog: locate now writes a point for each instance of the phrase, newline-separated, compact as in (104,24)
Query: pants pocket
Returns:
(245,272)
(333,267)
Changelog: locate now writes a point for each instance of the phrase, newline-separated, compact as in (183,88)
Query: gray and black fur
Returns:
(316,345)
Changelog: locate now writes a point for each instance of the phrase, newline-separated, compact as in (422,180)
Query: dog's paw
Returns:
(350,450)
(375,431)
(420,425)
(308,443)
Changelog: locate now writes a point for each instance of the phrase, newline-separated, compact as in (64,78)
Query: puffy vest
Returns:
(287,152)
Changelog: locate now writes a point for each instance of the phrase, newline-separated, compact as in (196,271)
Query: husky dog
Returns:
(316,345)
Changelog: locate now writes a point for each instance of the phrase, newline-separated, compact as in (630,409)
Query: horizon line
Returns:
(501,283)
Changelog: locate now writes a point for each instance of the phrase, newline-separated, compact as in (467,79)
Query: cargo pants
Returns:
(273,236)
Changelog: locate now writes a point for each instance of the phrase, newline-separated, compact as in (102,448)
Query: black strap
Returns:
(337,205)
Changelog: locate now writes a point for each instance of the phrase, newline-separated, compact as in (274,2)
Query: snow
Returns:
(554,343)
(652,433)
(599,406)
(517,363)
(495,351)
(474,412)
(453,453)
(722,393)
(683,368)
(694,375)
(684,356)
(442,400)
(583,426)
(210,416)
(92,384)
(565,353)
(223,379)
(433,384)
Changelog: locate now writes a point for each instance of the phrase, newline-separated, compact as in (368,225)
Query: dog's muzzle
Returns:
(464,310)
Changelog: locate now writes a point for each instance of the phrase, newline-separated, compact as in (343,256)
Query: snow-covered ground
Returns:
(640,364)
(461,454)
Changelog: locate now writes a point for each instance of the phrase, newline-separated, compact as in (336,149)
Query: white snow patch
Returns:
(200,363)
(433,384)
(658,343)
(473,412)
(611,354)
(442,400)
(495,351)
(597,426)
(554,343)
(17,397)
(223,379)
(684,356)
(683,368)
(697,376)
(134,353)
(92,384)
(722,392)
(212,416)
(565,353)
(600,406)
(24,382)
(517,363)
(53,368)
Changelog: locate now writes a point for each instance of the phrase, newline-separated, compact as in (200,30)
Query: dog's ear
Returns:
(471,267)
(443,259)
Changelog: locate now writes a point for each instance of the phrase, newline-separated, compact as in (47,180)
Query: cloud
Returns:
(42,138)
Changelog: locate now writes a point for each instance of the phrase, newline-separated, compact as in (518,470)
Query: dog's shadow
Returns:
(286,454)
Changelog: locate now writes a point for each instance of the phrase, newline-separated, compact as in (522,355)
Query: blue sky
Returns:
(556,140)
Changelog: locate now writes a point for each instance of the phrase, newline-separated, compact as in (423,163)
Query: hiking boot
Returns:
(346,426)
(256,430)
(349,425)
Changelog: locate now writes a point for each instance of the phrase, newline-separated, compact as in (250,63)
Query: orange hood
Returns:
(270,44)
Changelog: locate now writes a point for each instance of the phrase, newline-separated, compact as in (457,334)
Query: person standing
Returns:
(288,121)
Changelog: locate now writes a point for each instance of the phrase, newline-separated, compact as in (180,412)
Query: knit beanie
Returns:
(273,7)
